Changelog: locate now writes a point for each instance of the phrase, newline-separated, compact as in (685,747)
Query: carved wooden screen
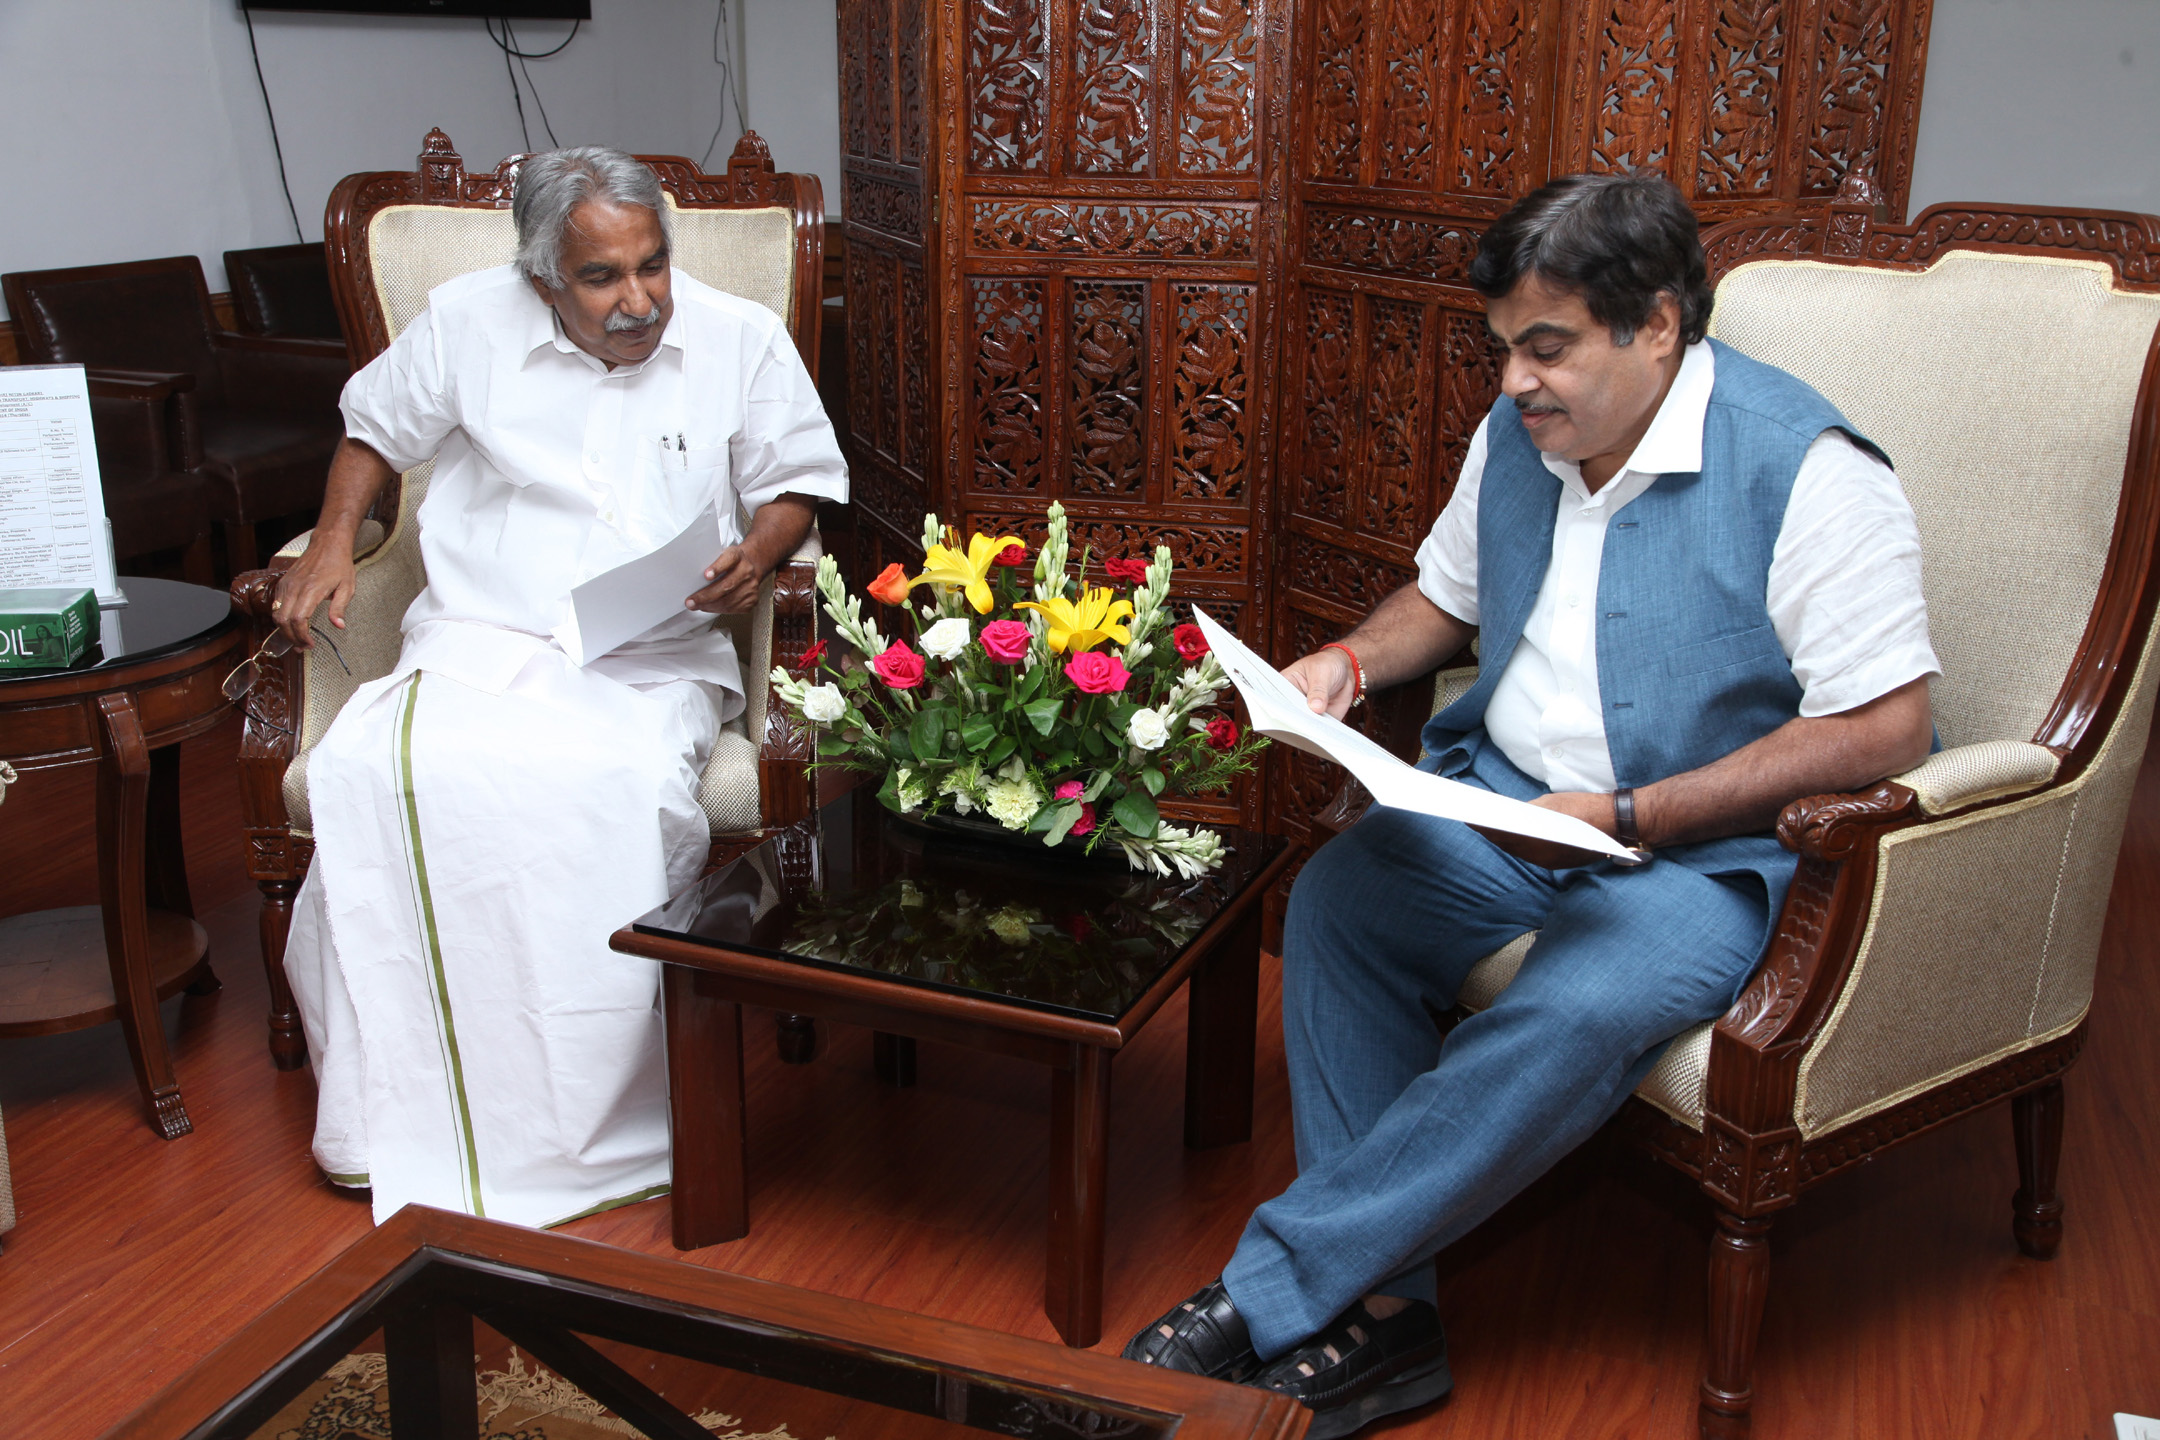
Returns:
(1090,241)
(1415,122)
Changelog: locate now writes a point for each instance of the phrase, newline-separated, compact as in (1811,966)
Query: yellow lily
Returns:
(1082,625)
(945,565)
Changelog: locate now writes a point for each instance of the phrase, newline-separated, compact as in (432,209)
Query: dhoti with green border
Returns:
(485,817)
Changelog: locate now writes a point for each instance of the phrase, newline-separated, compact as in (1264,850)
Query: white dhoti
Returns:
(485,817)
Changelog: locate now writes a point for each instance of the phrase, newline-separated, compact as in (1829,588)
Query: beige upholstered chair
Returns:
(1936,953)
(392,237)
(7,1186)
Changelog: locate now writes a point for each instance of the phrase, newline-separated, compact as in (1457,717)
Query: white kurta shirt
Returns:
(1844,591)
(550,468)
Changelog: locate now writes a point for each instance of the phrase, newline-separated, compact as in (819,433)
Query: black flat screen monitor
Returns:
(468,9)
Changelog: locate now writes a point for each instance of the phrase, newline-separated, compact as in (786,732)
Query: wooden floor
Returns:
(1898,1305)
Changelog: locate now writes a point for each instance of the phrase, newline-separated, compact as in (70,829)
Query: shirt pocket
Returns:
(1738,648)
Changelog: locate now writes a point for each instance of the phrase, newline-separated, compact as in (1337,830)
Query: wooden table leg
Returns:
(165,859)
(709,1201)
(1222,1009)
(433,1389)
(123,792)
(1079,1169)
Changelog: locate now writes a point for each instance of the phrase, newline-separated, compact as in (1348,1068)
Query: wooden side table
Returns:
(154,682)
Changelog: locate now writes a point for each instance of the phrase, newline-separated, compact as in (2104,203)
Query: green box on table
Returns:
(46,629)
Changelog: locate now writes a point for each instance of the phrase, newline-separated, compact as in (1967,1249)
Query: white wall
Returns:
(791,78)
(2041,102)
(138,129)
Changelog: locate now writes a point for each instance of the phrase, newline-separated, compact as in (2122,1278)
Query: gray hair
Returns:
(552,185)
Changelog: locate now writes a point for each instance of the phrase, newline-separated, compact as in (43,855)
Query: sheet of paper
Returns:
(1278,711)
(52,501)
(623,603)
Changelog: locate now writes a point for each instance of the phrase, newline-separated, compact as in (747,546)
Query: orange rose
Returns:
(890,587)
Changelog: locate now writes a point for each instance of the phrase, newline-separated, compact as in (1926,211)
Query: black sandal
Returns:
(1360,1368)
(1204,1335)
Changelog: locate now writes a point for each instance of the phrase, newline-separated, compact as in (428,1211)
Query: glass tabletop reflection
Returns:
(160,616)
(1017,924)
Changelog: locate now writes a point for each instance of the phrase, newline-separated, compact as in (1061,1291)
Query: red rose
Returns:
(891,585)
(811,656)
(1079,927)
(899,666)
(1006,641)
(1096,673)
(1085,823)
(1190,642)
(1070,790)
(1126,572)
(1222,732)
(1013,556)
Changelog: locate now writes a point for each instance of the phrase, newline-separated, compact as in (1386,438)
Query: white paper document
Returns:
(623,603)
(1279,711)
(52,501)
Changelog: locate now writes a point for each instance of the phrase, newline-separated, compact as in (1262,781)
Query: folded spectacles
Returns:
(248,673)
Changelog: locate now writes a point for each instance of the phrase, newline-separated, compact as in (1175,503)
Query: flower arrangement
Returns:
(1059,707)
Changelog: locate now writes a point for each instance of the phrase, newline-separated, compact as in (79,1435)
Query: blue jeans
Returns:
(1406,1141)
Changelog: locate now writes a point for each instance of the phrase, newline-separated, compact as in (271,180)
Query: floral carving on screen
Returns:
(1338,65)
(1739,138)
(1488,133)
(914,375)
(854,79)
(1008,65)
(1388,244)
(1218,52)
(1007,317)
(1631,131)
(913,53)
(861,326)
(879,14)
(1330,419)
(1469,382)
(1852,68)
(885,307)
(1109,387)
(1079,227)
(1392,410)
(1213,550)
(1207,462)
(1412,83)
(1112,76)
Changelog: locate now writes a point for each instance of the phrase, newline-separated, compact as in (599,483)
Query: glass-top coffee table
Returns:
(875,921)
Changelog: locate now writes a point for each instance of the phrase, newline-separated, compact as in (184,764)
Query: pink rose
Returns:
(1085,823)
(1006,641)
(1070,790)
(1097,673)
(899,666)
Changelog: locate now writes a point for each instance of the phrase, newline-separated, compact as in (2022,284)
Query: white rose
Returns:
(1147,731)
(823,704)
(947,638)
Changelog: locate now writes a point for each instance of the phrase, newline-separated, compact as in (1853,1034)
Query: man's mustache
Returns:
(617,322)
(1533,408)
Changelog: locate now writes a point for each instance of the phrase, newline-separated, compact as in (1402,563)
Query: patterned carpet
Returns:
(352,1402)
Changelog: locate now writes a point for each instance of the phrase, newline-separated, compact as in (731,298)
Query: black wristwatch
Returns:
(1623,814)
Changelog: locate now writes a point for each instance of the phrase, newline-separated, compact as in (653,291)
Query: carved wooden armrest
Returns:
(165,402)
(787,748)
(270,725)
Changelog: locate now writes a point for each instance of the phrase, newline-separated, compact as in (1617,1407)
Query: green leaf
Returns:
(832,745)
(1043,819)
(896,740)
(927,734)
(999,753)
(978,731)
(1068,815)
(1028,687)
(1120,716)
(1095,786)
(1092,742)
(1153,779)
(1059,761)
(1043,714)
(1137,813)
(889,793)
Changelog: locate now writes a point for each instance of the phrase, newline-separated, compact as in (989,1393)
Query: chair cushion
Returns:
(1968,774)
(750,253)
(283,290)
(149,320)
(1674,1084)
(728,790)
(2002,387)
(156,512)
(270,463)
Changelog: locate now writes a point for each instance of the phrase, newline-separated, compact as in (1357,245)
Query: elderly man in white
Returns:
(490,811)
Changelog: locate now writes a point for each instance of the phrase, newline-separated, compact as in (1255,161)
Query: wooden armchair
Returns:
(392,237)
(1936,953)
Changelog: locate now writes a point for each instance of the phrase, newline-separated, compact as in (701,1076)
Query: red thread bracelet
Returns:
(1357,671)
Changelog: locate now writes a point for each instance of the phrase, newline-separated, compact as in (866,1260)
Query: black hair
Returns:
(1618,241)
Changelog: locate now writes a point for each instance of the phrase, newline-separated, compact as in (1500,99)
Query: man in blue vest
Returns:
(1698,592)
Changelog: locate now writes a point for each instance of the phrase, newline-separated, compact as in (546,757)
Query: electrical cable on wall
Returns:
(723,36)
(507,42)
(276,147)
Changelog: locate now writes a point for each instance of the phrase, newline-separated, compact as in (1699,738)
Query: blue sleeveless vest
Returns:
(1689,666)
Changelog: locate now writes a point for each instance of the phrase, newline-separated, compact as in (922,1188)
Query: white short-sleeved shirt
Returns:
(1844,587)
(550,468)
